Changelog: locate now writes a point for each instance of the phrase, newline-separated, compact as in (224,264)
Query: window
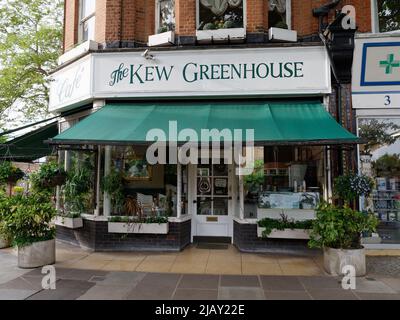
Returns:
(165,16)
(223,14)
(87,20)
(279,14)
(386,15)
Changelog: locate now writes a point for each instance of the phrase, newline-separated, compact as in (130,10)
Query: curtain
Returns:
(279,5)
(218,7)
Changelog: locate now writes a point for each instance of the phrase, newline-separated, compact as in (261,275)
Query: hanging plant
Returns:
(351,186)
(10,173)
(49,175)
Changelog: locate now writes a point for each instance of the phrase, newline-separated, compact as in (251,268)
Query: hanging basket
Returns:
(56,180)
(13,178)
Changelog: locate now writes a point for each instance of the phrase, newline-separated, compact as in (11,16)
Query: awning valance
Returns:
(273,122)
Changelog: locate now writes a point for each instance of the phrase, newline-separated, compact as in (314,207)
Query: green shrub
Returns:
(44,179)
(282,224)
(113,185)
(9,173)
(351,186)
(340,228)
(27,218)
(129,219)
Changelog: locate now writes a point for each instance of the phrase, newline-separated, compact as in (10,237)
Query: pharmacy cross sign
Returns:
(389,64)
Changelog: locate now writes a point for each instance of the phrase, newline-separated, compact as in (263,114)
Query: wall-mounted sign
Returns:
(195,73)
(376,73)
(72,85)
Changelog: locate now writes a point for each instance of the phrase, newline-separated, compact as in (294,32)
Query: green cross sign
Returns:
(390,64)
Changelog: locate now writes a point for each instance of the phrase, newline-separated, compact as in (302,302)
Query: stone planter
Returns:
(279,34)
(37,254)
(145,228)
(336,259)
(4,242)
(70,223)
(162,39)
(286,234)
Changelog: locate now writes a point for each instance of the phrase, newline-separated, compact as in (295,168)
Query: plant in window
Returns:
(220,14)
(277,14)
(388,15)
(113,185)
(167,16)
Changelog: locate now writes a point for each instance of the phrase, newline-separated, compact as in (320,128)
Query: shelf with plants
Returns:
(284,228)
(139,225)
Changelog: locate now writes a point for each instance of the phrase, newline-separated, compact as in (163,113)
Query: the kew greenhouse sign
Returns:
(193,73)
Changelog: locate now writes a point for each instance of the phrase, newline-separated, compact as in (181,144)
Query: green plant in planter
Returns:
(130,219)
(282,224)
(254,180)
(9,173)
(351,186)
(28,219)
(340,228)
(76,189)
(113,185)
(4,212)
(49,176)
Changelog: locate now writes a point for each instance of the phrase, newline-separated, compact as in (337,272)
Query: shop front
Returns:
(203,144)
(376,98)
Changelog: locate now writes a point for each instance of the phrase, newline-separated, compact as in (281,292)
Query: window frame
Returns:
(375,19)
(288,14)
(244,16)
(157,16)
(83,20)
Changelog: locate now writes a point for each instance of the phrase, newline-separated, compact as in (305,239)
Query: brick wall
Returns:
(138,20)
(94,235)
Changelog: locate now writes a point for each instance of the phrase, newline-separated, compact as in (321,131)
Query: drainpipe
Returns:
(339,119)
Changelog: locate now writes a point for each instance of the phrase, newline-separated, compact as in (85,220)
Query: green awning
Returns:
(29,146)
(273,122)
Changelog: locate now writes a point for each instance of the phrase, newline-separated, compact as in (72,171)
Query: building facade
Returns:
(241,73)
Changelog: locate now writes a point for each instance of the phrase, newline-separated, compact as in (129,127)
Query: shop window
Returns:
(165,15)
(223,14)
(279,14)
(87,20)
(386,15)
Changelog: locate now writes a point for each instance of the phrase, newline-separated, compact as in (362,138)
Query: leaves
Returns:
(351,186)
(30,43)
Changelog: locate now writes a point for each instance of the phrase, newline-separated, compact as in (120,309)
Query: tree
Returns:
(377,133)
(30,42)
(389,15)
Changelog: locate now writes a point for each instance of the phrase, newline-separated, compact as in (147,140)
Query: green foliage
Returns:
(340,228)
(351,186)
(257,177)
(30,43)
(113,185)
(377,133)
(209,26)
(282,224)
(27,219)
(129,219)
(387,166)
(389,15)
(8,172)
(45,178)
(77,188)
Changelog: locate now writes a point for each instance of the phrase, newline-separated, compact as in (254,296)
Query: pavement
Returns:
(84,275)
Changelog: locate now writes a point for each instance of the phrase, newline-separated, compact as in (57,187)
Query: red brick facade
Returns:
(136,21)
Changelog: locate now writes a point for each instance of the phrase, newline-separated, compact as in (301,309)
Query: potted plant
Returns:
(338,232)
(51,175)
(10,174)
(28,222)
(142,225)
(351,186)
(113,185)
(284,228)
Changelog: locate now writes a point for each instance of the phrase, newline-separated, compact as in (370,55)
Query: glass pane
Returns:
(88,7)
(167,16)
(203,170)
(88,29)
(277,14)
(220,170)
(203,186)
(220,14)
(221,186)
(388,15)
(220,207)
(204,206)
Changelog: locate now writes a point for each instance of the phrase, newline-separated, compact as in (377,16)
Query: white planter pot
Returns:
(220,35)
(70,223)
(144,228)
(336,259)
(4,242)
(279,34)
(37,254)
(162,39)
(286,234)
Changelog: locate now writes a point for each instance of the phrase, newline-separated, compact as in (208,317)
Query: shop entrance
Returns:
(212,203)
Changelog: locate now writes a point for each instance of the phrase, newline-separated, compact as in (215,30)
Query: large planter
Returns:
(4,242)
(37,254)
(162,39)
(144,228)
(70,223)
(336,259)
(301,234)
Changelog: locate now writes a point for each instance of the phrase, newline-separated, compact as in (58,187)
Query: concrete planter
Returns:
(221,35)
(37,254)
(336,259)
(279,34)
(4,242)
(141,228)
(286,234)
(162,39)
(70,223)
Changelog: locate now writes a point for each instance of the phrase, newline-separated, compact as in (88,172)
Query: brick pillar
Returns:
(185,16)
(108,22)
(71,17)
(257,20)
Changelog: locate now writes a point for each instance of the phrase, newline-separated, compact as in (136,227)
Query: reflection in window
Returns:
(87,19)
(222,14)
(166,15)
(388,12)
(277,15)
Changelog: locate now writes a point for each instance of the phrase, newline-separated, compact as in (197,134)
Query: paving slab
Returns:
(102,292)
(195,294)
(372,286)
(122,279)
(15,294)
(233,293)
(321,282)
(332,294)
(377,296)
(287,295)
(239,281)
(65,290)
(281,283)
(199,282)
